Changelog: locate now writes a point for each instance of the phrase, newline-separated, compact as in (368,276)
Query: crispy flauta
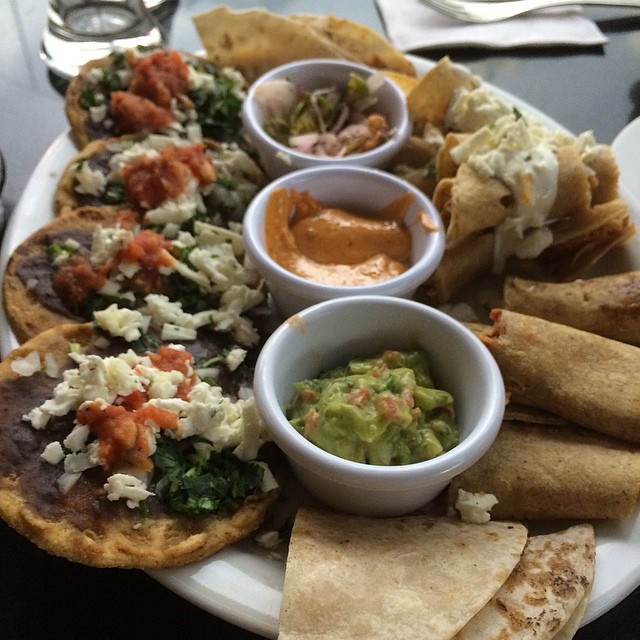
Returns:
(544,472)
(581,241)
(470,203)
(607,305)
(585,378)
(430,99)
(461,264)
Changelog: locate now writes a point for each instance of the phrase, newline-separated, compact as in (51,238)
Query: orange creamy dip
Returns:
(333,246)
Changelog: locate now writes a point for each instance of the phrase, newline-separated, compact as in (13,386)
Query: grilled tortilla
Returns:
(77,520)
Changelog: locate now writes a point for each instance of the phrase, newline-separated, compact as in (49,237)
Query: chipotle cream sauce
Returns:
(333,246)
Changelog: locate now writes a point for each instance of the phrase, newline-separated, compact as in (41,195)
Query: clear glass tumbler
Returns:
(81,30)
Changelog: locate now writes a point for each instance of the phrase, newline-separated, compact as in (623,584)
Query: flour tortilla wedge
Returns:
(550,583)
(411,577)
(607,305)
(545,472)
(585,378)
(24,310)
(256,40)
(82,525)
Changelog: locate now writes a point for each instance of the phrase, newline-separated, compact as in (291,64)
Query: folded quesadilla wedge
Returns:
(548,585)
(411,577)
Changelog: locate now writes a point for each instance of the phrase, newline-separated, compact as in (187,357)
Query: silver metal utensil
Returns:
(494,11)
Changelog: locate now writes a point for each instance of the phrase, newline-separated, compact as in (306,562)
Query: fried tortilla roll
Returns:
(460,265)
(545,473)
(580,242)
(429,101)
(469,203)
(607,305)
(585,378)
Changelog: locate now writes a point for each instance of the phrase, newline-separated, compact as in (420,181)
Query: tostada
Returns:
(94,261)
(172,181)
(165,91)
(123,454)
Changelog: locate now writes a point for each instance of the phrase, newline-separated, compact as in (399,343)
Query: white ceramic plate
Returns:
(625,148)
(243,583)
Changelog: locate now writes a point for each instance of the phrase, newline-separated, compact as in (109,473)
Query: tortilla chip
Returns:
(410,577)
(550,583)
(550,473)
(255,40)
(446,167)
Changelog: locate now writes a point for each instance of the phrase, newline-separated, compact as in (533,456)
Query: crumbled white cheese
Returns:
(107,241)
(123,486)
(53,453)
(89,181)
(98,113)
(269,482)
(77,439)
(27,365)
(475,507)
(177,210)
(120,321)
(268,539)
(79,461)
(235,358)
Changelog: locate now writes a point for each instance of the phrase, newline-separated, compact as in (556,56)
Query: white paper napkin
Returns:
(412,25)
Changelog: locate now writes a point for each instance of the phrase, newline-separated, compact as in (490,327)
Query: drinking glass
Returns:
(81,30)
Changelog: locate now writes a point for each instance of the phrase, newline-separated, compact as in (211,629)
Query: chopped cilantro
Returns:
(201,484)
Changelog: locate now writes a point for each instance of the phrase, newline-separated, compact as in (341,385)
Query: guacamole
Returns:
(384,410)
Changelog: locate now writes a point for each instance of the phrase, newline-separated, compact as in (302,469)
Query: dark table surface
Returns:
(596,88)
